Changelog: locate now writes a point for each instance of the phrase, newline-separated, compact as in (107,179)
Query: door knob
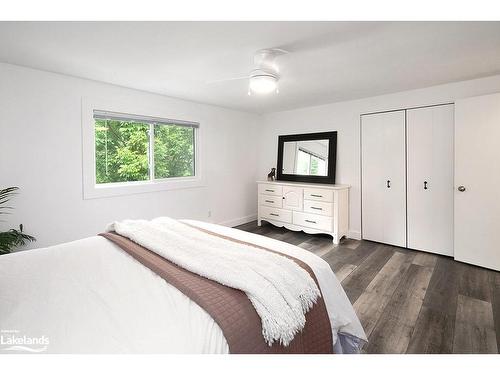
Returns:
(461,188)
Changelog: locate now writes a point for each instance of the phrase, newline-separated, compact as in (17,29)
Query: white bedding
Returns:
(89,296)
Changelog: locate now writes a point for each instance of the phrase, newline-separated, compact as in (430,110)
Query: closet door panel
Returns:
(383,178)
(443,177)
(373,199)
(477,180)
(395,206)
(419,161)
(430,179)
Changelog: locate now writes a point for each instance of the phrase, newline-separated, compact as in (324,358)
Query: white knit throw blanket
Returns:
(280,290)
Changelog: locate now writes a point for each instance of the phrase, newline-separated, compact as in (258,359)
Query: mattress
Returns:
(89,296)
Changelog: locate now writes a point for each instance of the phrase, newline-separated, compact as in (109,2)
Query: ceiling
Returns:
(328,61)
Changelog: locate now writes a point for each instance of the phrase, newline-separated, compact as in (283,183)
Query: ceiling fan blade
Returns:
(226,80)
(281,51)
(264,60)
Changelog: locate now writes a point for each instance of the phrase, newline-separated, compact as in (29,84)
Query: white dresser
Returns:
(312,208)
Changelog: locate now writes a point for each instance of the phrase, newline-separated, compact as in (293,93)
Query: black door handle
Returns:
(425,185)
(388,184)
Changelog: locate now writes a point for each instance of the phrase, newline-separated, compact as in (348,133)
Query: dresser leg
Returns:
(259,222)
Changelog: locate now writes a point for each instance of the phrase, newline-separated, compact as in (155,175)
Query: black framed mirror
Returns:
(307,157)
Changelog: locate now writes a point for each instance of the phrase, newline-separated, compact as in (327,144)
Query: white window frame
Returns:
(93,190)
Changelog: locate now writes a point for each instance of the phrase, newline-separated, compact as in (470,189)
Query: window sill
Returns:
(127,188)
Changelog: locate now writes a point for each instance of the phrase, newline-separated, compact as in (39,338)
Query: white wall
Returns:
(345,118)
(41,152)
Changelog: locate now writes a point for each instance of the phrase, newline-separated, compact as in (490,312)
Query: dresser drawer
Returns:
(270,189)
(322,195)
(278,214)
(313,221)
(270,201)
(318,207)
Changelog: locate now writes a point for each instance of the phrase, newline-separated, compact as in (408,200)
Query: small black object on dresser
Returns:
(271,176)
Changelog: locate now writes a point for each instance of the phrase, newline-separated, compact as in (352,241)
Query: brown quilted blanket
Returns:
(231,309)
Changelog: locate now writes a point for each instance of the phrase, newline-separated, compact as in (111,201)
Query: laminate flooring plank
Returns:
(475,329)
(393,331)
(344,271)
(248,227)
(318,245)
(433,333)
(372,302)
(350,243)
(347,255)
(495,301)
(294,238)
(473,282)
(442,292)
(356,283)
(425,259)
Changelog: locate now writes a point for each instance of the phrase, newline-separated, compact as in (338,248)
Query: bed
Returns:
(90,296)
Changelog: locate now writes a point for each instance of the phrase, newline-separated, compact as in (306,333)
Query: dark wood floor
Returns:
(409,301)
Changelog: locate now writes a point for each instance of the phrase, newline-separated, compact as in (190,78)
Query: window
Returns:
(173,151)
(310,164)
(303,162)
(121,151)
(131,148)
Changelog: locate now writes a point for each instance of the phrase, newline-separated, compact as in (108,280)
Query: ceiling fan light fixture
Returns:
(263,83)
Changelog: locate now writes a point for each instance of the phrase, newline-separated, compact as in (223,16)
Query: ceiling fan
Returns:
(264,77)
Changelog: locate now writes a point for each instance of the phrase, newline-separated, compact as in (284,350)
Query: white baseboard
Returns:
(239,221)
(354,235)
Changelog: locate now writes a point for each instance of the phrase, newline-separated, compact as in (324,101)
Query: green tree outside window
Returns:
(122,151)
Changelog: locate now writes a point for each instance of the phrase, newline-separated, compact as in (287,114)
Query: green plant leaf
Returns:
(6,194)
(12,238)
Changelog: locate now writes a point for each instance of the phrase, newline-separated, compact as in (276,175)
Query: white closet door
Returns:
(383,177)
(477,180)
(430,178)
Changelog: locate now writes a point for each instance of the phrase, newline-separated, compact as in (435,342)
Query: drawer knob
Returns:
(317,208)
(268,201)
(272,214)
(316,195)
(272,191)
(311,221)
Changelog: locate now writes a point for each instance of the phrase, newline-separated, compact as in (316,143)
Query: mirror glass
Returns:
(306,158)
